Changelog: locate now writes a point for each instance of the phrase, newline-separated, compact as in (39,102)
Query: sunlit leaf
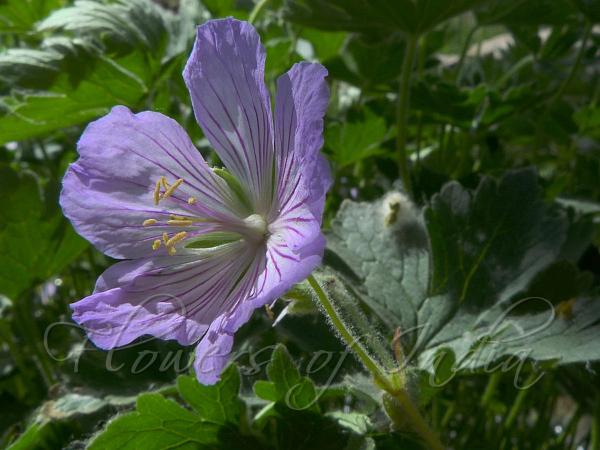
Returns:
(20,16)
(458,280)
(351,142)
(157,423)
(219,403)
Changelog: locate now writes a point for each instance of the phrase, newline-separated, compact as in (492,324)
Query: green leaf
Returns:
(357,422)
(458,284)
(19,16)
(355,63)
(486,244)
(442,102)
(97,55)
(378,16)
(525,12)
(282,371)
(225,8)
(385,246)
(36,242)
(158,423)
(292,389)
(122,23)
(219,403)
(351,142)
(590,8)
(107,83)
(266,390)
(588,121)
(326,45)
(58,421)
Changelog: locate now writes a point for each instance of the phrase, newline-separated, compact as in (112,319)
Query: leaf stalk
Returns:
(400,406)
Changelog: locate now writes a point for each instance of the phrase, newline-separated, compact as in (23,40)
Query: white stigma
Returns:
(256,227)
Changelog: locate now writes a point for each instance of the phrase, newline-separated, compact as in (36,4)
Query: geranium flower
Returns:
(204,247)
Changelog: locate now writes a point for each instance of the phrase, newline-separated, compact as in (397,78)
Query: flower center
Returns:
(253,228)
(162,191)
(256,227)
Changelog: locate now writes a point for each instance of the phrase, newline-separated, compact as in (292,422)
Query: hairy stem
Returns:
(398,403)
(402,110)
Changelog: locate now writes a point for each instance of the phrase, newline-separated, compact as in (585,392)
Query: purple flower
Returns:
(204,247)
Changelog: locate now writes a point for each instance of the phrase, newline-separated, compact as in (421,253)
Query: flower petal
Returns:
(296,245)
(174,297)
(109,191)
(288,259)
(301,102)
(225,77)
(213,353)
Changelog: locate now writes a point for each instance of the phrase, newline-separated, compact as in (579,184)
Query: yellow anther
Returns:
(172,188)
(191,200)
(165,237)
(156,244)
(149,222)
(171,251)
(176,217)
(164,182)
(180,223)
(176,238)
(157,192)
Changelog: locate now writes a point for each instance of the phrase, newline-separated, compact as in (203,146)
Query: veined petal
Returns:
(108,192)
(213,351)
(302,172)
(287,258)
(225,77)
(174,297)
(295,245)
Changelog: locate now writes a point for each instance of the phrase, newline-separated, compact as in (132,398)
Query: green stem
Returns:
(420,68)
(257,10)
(26,323)
(345,334)
(519,401)
(463,53)
(595,432)
(400,407)
(402,110)
(490,388)
(586,36)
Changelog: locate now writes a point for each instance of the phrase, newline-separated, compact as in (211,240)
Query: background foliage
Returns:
(490,276)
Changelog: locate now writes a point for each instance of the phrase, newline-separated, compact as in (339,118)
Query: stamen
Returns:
(191,200)
(269,312)
(157,193)
(149,222)
(176,217)
(156,244)
(176,238)
(172,188)
(171,251)
(180,222)
(165,237)
(164,182)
